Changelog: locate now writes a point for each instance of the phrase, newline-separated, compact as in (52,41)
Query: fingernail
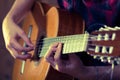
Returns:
(31,45)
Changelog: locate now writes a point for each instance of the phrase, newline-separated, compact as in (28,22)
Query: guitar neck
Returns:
(71,44)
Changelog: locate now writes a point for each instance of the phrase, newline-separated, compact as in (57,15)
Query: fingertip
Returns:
(28,55)
(24,57)
(60,45)
(29,43)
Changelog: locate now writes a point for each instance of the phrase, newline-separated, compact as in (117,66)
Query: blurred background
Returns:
(6,61)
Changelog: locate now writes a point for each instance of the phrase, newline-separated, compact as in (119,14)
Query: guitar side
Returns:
(46,24)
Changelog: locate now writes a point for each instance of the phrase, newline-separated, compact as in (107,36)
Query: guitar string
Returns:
(39,47)
(46,47)
(91,38)
(107,72)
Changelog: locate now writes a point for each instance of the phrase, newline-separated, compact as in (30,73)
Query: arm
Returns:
(74,66)
(18,10)
(12,31)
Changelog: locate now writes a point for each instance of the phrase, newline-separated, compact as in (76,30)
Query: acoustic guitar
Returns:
(44,22)
(46,25)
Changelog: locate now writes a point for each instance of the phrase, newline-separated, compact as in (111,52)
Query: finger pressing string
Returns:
(58,53)
(49,56)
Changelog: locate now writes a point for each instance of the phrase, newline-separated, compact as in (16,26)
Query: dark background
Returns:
(6,61)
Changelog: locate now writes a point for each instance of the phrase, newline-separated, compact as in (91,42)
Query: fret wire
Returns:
(44,50)
(67,40)
(49,45)
(87,44)
(89,39)
(63,42)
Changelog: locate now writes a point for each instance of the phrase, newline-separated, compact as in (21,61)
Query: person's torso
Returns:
(105,12)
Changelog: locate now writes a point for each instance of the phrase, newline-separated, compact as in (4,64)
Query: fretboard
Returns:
(71,44)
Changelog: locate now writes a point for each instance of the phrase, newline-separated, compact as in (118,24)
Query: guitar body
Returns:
(46,21)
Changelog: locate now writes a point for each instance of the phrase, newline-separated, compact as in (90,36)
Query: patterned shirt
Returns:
(104,12)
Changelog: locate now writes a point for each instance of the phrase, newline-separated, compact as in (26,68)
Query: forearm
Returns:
(86,73)
(99,73)
(19,9)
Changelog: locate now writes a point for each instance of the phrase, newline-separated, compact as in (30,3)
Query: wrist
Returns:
(7,20)
(13,18)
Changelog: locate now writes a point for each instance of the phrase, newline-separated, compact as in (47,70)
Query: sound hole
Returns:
(39,45)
